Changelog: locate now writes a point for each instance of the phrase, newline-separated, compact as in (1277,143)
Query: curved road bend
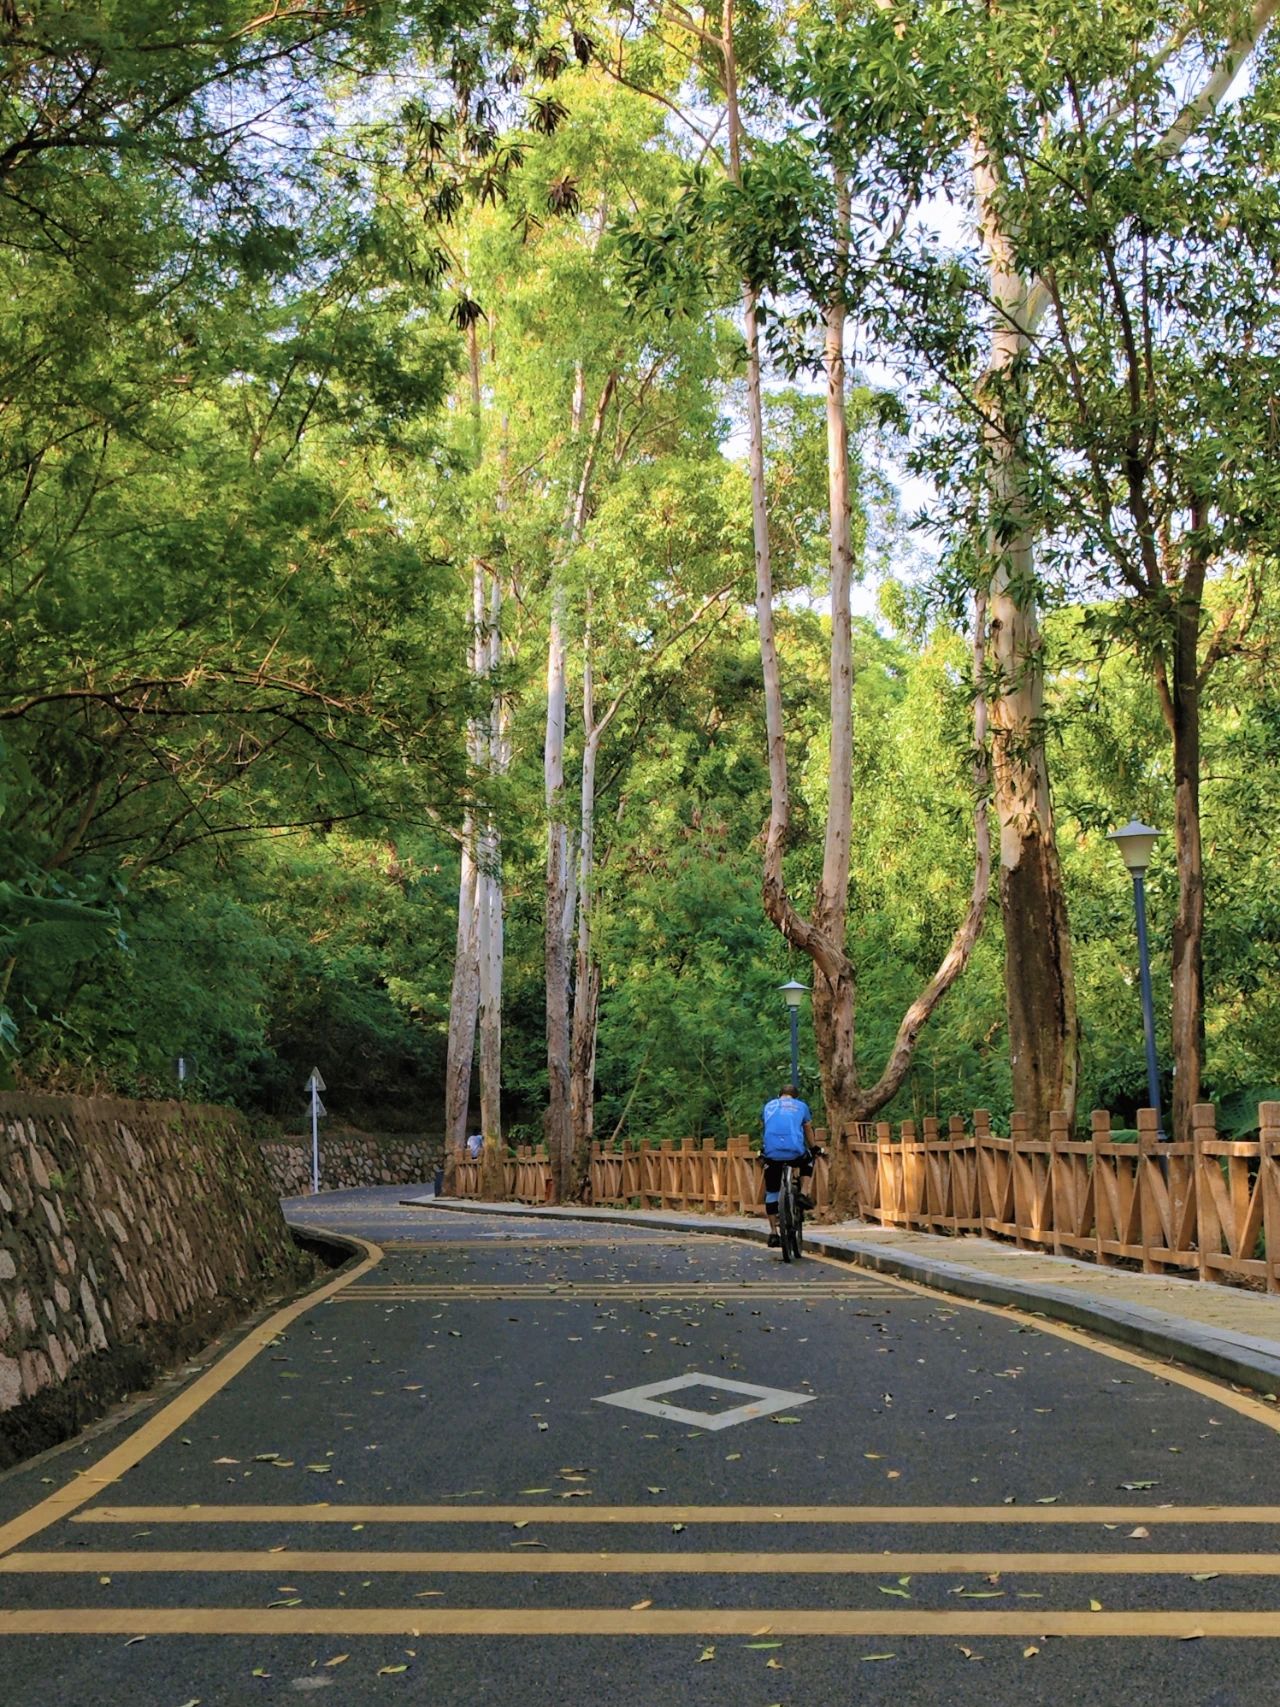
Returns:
(539,1462)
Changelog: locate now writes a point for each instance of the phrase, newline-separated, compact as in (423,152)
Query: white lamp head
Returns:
(792,991)
(1135,842)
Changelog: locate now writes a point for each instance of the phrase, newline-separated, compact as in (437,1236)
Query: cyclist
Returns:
(788,1137)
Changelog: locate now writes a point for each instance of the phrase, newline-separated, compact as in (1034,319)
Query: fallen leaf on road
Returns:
(1204,1576)
(1139,1534)
(1095,1606)
(879,1656)
(1137,1487)
(390,1671)
(900,1592)
(337,1659)
(707,1654)
(641,1605)
(1029,1653)
(752,1646)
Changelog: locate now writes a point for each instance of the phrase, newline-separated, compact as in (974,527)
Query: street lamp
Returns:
(1135,842)
(792,991)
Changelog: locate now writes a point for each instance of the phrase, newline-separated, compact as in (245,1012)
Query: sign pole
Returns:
(315,1084)
(315,1140)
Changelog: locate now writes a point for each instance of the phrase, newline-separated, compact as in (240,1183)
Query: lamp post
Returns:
(792,991)
(1135,842)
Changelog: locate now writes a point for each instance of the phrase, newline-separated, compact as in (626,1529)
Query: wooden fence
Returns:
(672,1173)
(1209,1208)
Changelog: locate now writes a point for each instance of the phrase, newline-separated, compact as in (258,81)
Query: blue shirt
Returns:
(784,1120)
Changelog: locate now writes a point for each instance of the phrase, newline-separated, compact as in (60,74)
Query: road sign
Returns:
(315,1084)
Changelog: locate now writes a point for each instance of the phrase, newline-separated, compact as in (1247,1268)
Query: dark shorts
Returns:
(773,1170)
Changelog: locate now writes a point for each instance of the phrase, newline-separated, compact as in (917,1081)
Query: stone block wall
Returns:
(348,1162)
(130,1233)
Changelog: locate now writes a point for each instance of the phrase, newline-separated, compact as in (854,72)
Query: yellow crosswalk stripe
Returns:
(583,1512)
(610,1621)
(544,1562)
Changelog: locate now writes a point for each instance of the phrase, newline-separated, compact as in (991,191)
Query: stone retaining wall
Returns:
(348,1163)
(130,1233)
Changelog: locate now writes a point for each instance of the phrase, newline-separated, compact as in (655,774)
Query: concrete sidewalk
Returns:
(1225,1331)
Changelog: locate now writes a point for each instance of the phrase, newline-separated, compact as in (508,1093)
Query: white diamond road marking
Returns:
(765,1401)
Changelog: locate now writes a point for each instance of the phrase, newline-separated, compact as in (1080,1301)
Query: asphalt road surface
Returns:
(545,1462)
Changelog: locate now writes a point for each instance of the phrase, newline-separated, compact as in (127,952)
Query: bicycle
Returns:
(791,1207)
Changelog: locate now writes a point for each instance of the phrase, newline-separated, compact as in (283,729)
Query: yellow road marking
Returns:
(548,1242)
(427,1294)
(462,1512)
(609,1621)
(89,1483)
(293,1563)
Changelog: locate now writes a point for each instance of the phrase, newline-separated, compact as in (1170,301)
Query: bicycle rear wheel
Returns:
(789,1216)
(786,1210)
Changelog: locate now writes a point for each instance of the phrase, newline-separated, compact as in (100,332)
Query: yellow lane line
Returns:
(609,1621)
(614,1289)
(1220,1392)
(410,1294)
(89,1483)
(541,1563)
(553,1242)
(461,1512)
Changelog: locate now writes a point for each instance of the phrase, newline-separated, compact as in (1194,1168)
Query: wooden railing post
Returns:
(1269,1185)
(1059,1165)
(1208,1230)
(1149,1185)
(1100,1135)
(1023,1188)
(957,1174)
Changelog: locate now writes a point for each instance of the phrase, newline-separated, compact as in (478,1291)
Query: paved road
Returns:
(450,1478)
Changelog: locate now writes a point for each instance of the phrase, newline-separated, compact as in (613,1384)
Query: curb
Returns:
(1239,1359)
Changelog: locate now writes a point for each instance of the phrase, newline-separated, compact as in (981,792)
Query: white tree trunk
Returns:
(1039,979)
(560,885)
(491,921)
(586,978)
